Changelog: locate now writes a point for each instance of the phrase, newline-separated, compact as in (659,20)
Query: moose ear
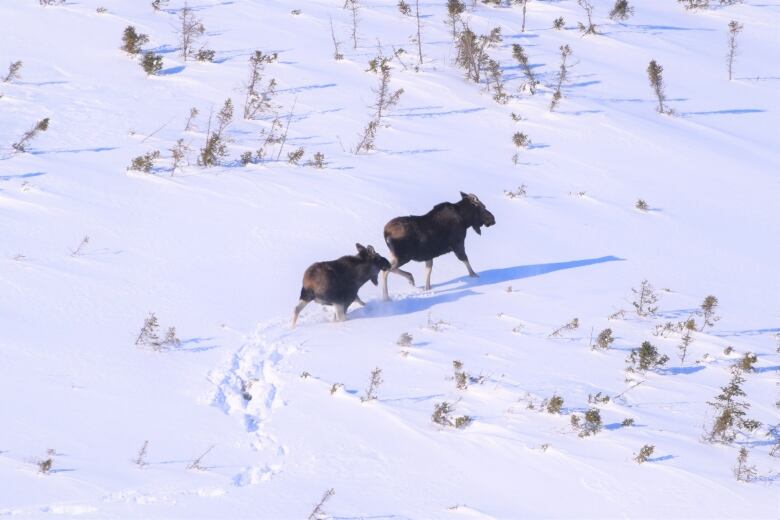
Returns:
(371,250)
(464,195)
(360,248)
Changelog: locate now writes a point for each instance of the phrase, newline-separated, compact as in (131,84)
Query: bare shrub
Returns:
(519,193)
(80,248)
(190,125)
(559,23)
(590,28)
(337,55)
(354,7)
(318,512)
(628,421)
(641,205)
(196,462)
(189,31)
(157,5)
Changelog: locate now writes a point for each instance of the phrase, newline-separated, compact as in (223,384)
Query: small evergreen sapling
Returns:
(742,471)
(644,453)
(559,23)
(590,28)
(621,11)
(13,72)
(646,300)
(521,141)
(730,411)
(655,75)
(589,424)
(151,63)
(734,29)
(215,148)
(258,100)
(133,41)
(555,404)
(561,77)
(708,312)
(189,31)
(572,325)
(747,361)
(455,9)
(144,163)
(645,358)
(373,385)
(604,340)
(521,57)
(21,145)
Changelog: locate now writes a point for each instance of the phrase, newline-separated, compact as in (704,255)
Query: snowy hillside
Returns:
(90,248)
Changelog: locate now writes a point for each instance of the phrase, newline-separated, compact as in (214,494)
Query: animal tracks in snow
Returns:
(249,389)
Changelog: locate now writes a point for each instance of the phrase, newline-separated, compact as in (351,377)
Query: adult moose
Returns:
(424,237)
(337,282)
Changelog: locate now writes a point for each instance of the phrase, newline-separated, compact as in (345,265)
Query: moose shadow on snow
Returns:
(414,303)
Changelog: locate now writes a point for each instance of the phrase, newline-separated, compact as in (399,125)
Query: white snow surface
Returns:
(219,253)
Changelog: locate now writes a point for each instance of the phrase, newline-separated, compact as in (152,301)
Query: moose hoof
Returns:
(474,275)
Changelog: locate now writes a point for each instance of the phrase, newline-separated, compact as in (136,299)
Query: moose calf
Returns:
(337,282)
(441,230)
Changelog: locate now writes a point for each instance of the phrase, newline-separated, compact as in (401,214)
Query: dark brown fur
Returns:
(442,230)
(337,282)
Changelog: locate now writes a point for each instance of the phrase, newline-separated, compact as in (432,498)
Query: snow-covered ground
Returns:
(219,254)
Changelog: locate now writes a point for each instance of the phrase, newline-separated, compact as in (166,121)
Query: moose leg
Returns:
(428,269)
(460,252)
(394,269)
(359,301)
(385,296)
(298,309)
(341,312)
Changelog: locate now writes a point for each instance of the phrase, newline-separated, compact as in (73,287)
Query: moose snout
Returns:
(490,219)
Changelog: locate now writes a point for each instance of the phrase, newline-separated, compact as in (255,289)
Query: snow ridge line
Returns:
(249,387)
